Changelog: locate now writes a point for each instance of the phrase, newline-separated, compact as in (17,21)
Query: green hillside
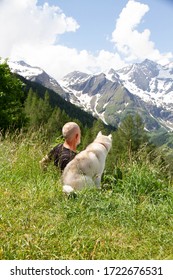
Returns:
(56,100)
(130,218)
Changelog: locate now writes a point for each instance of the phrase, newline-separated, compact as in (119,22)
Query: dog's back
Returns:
(87,167)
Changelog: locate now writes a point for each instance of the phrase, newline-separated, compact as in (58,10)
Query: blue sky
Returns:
(97,19)
(91,36)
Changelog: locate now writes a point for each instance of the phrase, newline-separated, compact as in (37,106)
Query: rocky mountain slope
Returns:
(36,74)
(145,88)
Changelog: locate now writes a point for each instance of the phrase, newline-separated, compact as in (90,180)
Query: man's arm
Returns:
(44,162)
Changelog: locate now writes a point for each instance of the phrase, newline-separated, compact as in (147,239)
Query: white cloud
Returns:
(25,23)
(30,32)
(31,35)
(59,60)
(131,43)
(107,60)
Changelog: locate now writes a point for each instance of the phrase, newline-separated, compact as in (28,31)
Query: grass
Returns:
(128,219)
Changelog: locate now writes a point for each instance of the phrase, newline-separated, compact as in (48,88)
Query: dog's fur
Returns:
(86,168)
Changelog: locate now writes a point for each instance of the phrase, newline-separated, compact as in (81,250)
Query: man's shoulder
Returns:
(58,146)
(55,149)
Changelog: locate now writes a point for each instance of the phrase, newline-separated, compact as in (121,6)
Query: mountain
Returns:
(30,78)
(146,88)
(36,74)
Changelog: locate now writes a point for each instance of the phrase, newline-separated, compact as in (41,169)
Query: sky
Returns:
(91,36)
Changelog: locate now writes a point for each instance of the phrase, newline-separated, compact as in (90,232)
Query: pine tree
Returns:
(131,134)
(33,114)
(28,101)
(98,125)
(54,124)
(38,110)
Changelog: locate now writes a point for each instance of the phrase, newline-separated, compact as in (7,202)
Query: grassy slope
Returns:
(131,220)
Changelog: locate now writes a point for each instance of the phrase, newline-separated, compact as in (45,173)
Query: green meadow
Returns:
(129,218)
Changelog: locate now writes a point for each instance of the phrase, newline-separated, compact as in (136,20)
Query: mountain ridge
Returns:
(145,87)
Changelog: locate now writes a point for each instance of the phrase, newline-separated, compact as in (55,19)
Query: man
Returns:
(64,153)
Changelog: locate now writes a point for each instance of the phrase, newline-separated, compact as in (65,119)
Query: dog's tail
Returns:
(67,189)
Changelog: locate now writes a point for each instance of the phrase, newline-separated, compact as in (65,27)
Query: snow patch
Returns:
(24,69)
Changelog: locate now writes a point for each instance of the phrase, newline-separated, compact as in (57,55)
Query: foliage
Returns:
(162,137)
(130,218)
(11,99)
(89,134)
(38,110)
(56,101)
(132,133)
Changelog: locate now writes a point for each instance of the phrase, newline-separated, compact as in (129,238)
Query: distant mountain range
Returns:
(145,88)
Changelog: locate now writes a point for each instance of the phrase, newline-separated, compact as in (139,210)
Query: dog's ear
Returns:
(110,136)
(99,134)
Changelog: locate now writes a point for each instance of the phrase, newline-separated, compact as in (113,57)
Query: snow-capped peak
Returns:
(146,87)
(24,69)
(73,78)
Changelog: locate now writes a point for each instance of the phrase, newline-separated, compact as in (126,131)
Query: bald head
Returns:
(70,130)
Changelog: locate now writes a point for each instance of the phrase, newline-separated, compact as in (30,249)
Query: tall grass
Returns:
(130,218)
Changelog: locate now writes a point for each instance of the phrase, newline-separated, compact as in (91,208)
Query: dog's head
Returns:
(106,141)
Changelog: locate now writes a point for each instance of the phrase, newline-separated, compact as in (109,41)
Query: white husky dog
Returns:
(87,167)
